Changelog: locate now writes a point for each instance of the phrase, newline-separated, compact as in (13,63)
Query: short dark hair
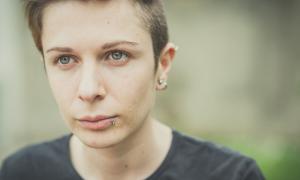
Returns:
(151,13)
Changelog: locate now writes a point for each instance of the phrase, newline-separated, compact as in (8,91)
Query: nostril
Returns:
(90,98)
(90,86)
(85,97)
(92,95)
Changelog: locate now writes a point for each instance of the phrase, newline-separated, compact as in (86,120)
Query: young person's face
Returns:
(99,61)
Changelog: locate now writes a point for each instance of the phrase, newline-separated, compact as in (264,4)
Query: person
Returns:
(105,61)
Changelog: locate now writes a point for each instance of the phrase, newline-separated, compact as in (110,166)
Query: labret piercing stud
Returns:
(113,122)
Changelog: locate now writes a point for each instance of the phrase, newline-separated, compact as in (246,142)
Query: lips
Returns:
(99,122)
(95,118)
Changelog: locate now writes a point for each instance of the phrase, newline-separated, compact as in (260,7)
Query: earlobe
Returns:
(165,63)
(161,85)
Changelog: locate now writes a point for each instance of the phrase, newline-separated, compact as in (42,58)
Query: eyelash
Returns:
(62,56)
(106,56)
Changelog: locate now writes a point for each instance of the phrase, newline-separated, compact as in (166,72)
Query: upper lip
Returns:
(95,118)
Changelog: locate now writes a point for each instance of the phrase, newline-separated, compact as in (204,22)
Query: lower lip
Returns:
(97,125)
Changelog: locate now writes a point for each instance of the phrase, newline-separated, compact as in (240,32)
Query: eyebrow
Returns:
(60,49)
(104,46)
(117,43)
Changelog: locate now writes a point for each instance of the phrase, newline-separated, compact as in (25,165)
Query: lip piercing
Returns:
(113,122)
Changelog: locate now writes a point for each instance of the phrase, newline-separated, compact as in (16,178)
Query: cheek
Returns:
(136,92)
(63,92)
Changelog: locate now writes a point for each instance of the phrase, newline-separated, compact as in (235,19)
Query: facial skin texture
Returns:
(94,84)
(108,70)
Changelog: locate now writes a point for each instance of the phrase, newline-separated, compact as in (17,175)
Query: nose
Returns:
(90,88)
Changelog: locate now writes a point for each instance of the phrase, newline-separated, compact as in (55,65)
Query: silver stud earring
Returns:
(162,84)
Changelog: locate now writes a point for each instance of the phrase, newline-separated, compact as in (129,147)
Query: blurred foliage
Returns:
(284,166)
(277,160)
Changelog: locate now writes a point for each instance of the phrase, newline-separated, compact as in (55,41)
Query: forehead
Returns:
(107,20)
(105,9)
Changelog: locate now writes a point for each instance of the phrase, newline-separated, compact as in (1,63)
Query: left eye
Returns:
(118,55)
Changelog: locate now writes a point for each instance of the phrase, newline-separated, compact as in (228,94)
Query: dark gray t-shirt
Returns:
(187,159)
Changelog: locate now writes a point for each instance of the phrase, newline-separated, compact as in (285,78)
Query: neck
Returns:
(125,160)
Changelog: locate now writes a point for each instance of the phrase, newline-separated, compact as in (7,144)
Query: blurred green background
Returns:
(235,80)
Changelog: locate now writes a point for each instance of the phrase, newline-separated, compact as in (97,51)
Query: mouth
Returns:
(99,122)
(96,118)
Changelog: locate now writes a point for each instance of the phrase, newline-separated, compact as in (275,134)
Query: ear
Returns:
(165,62)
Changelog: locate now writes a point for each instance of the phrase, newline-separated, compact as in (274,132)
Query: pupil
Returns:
(117,55)
(65,60)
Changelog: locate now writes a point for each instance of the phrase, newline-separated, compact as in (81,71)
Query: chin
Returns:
(100,139)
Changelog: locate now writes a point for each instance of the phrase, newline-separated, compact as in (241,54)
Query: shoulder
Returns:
(204,148)
(38,156)
(214,160)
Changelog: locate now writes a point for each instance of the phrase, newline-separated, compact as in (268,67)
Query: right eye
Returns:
(64,60)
